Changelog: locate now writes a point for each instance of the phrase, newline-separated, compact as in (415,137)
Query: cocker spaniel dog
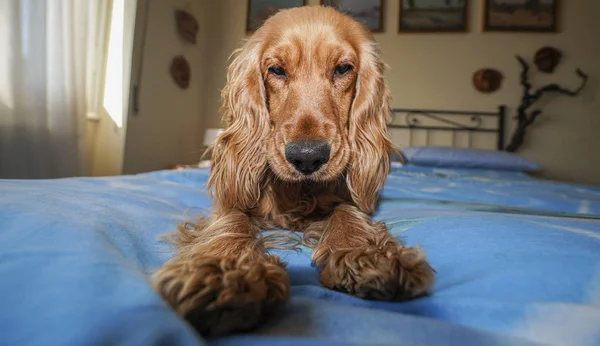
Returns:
(306,149)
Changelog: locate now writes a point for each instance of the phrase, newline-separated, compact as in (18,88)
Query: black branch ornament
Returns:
(525,117)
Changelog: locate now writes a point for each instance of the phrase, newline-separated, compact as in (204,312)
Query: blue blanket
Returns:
(517,261)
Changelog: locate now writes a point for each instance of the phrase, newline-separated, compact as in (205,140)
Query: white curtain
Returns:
(51,62)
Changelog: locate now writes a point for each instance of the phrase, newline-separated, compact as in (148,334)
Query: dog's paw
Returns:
(385,272)
(219,296)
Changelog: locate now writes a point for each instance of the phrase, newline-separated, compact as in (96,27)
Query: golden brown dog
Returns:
(305,148)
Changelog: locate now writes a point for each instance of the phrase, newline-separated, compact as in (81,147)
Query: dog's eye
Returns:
(277,70)
(341,70)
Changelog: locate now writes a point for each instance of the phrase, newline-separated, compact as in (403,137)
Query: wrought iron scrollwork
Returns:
(454,121)
(412,120)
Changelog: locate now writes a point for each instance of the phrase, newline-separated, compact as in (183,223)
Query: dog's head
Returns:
(306,98)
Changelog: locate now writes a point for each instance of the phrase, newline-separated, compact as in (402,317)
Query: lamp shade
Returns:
(210,136)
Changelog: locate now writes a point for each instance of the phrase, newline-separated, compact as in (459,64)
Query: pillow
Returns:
(397,156)
(468,158)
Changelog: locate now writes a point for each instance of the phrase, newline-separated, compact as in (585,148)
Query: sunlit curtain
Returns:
(51,62)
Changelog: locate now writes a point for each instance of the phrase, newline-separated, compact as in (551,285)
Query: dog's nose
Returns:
(307,156)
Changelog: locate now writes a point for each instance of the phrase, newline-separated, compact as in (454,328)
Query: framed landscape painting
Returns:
(369,12)
(520,15)
(433,16)
(260,10)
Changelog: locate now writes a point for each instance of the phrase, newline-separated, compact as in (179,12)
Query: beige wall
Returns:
(434,71)
(166,131)
(105,139)
(224,28)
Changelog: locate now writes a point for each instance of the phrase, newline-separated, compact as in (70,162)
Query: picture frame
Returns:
(433,16)
(521,16)
(369,12)
(259,10)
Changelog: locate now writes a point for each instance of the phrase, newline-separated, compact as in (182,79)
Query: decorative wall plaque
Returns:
(181,71)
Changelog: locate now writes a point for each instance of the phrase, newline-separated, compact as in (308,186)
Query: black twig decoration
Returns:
(525,117)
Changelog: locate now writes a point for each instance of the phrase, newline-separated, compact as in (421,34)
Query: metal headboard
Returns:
(449,120)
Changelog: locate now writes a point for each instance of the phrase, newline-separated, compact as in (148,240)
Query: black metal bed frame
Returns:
(446,119)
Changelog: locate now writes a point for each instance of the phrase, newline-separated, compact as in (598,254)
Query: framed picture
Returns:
(260,10)
(520,15)
(433,16)
(369,12)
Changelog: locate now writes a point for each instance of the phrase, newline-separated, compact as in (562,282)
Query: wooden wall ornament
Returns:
(487,80)
(547,58)
(181,71)
(187,25)
(526,117)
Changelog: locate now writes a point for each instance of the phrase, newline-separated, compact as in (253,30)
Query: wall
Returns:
(225,30)
(434,71)
(106,156)
(166,129)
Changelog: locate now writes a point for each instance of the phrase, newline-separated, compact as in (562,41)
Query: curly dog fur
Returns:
(308,75)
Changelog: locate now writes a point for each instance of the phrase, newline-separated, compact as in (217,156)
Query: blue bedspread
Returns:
(517,261)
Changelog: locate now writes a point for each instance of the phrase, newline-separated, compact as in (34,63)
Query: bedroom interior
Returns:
(442,63)
(496,125)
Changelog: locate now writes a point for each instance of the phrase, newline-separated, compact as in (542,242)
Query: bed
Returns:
(517,260)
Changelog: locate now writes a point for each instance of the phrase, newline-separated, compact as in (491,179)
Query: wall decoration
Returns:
(487,80)
(181,71)
(369,12)
(547,58)
(261,10)
(433,16)
(520,15)
(525,117)
(187,25)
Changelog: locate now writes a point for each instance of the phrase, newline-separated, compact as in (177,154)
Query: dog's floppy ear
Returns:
(368,137)
(238,160)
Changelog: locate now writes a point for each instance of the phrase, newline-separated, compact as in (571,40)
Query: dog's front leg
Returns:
(360,257)
(221,280)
